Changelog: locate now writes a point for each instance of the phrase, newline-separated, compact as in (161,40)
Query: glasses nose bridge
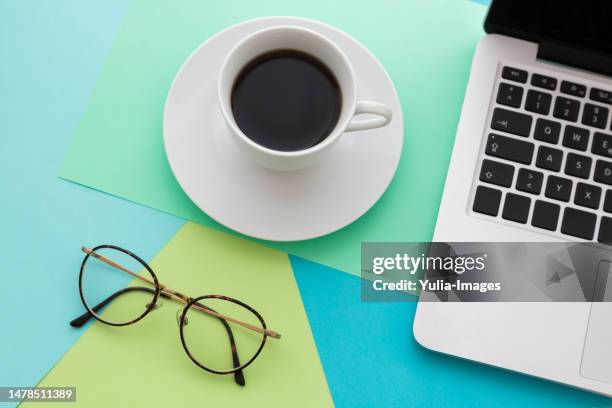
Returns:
(173,294)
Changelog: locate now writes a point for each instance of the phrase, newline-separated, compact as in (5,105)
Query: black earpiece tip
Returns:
(239,378)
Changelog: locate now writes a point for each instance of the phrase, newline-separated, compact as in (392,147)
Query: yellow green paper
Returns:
(426,47)
(144,364)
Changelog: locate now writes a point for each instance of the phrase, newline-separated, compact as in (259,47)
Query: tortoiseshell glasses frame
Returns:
(160,290)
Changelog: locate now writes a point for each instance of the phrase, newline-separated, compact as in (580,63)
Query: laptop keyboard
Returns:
(547,159)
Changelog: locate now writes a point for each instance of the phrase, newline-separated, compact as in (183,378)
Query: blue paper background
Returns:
(50,55)
(371,359)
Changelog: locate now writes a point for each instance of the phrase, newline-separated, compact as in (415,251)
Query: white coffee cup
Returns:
(313,43)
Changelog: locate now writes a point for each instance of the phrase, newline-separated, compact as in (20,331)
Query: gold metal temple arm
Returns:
(114,264)
(180,297)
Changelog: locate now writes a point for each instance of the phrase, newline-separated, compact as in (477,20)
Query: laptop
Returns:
(532,162)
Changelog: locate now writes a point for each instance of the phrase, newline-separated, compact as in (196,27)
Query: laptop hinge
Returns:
(576,57)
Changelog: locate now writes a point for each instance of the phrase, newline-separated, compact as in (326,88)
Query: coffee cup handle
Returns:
(383,116)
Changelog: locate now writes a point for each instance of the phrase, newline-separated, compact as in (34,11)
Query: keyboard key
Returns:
(509,148)
(603,172)
(510,95)
(578,223)
(545,215)
(577,165)
(514,74)
(487,200)
(549,158)
(566,108)
(496,173)
(571,88)
(529,181)
(587,195)
(576,138)
(596,116)
(608,202)
(601,95)
(538,102)
(547,131)
(558,188)
(542,81)
(511,122)
(516,208)
(605,230)
(602,144)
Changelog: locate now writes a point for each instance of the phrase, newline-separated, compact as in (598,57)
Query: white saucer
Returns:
(277,206)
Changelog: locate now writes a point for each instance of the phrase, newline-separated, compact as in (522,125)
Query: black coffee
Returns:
(286,100)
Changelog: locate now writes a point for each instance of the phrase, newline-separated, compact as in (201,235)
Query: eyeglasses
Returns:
(213,328)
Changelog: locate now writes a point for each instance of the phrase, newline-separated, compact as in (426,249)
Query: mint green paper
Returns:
(426,47)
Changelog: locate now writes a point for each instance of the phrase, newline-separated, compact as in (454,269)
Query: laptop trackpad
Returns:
(597,354)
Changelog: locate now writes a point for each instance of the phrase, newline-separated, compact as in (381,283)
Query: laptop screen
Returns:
(586,24)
